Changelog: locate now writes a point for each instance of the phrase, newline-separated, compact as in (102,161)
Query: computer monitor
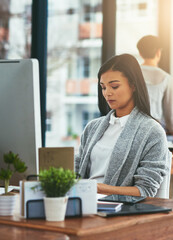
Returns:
(20,123)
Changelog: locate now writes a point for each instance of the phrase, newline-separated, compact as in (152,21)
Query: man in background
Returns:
(159,83)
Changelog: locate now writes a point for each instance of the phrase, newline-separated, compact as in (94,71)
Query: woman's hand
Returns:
(108,190)
(102,188)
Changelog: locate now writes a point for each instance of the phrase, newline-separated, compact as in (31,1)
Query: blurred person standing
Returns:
(159,83)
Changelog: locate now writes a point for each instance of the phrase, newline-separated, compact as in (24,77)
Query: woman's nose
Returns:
(108,92)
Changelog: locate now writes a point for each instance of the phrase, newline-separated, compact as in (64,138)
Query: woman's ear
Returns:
(133,88)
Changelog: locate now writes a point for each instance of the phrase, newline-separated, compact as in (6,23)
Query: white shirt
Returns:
(101,152)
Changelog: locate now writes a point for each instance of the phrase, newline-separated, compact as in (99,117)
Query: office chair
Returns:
(163,191)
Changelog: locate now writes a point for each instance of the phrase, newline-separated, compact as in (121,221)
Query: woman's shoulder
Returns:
(145,122)
(152,125)
(95,122)
(91,127)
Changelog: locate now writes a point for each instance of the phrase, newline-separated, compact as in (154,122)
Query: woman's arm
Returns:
(108,190)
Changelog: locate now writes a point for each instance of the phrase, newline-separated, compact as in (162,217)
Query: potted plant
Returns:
(56,182)
(7,199)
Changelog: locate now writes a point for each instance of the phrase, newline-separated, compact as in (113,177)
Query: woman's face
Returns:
(117,92)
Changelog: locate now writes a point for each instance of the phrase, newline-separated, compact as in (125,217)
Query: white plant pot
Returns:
(55,208)
(7,205)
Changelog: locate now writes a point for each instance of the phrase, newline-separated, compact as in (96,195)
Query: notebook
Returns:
(109,207)
(137,208)
(56,157)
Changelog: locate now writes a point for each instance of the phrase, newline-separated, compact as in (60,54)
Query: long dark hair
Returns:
(130,67)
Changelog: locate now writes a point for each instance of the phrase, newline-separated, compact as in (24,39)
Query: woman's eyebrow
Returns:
(111,81)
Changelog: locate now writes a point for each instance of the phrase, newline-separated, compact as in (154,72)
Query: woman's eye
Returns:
(103,88)
(115,87)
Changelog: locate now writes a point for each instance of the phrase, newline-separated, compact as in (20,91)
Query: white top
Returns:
(101,152)
(160,88)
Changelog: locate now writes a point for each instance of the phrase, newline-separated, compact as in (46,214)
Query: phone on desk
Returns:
(122,198)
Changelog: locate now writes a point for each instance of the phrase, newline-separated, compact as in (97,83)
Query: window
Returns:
(15,29)
(74,57)
(49,122)
(135,19)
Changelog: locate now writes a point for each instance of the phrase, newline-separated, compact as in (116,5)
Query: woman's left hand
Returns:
(123,190)
(104,188)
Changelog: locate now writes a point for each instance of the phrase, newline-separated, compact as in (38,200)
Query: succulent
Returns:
(14,164)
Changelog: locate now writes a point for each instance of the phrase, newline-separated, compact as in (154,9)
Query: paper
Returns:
(28,193)
(10,188)
(86,189)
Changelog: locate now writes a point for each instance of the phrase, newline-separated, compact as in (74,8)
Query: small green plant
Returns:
(14,164)
(56,182)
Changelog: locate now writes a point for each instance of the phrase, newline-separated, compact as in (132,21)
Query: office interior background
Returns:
(71,39)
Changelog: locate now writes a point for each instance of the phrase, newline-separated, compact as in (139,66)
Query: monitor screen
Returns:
(20,124)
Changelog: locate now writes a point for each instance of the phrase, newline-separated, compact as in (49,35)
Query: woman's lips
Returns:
(110,101)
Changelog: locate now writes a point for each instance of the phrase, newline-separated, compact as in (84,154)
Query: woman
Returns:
(125,150)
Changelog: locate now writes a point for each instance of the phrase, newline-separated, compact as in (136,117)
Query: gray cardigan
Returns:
(140,155)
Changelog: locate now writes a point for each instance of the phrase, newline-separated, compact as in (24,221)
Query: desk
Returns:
(139,227)
(17,233)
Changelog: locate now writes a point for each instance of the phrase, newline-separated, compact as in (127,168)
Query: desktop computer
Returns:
(20,123)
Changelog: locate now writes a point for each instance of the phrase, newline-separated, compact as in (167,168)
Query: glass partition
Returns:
(15,29)
(74,57)
(135,19)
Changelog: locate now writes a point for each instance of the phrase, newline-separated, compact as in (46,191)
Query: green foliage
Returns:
(19,166)
(5,174)
(14,164)
(56,182)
